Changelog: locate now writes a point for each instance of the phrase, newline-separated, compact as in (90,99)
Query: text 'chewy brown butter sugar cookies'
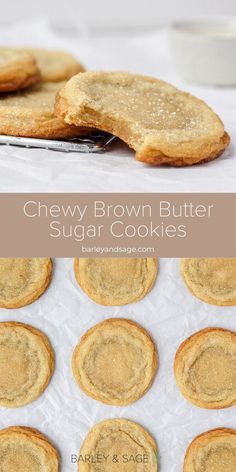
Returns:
(22,281)
(213,451)
(211,280)
(116,281)
(26,450)
(115,362)
(205,368)
(26,364)
(161,123)
(18,70)
(121,439)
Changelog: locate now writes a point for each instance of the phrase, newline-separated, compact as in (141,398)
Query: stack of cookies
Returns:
(29,82)
(45,95)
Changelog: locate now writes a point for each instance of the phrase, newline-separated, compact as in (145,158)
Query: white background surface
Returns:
(112,12)
(116,171)
(170,313)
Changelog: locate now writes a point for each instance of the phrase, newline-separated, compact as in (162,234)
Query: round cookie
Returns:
(55,66)
(205,368)
(116,281)
(213,451)
(31,114)
(25,449)
(26,364)
(123,439)
(115,362)
(211,280)
(161,123)
(18,70)
(22,281)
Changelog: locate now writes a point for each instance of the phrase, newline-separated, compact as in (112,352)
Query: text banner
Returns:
(115,225)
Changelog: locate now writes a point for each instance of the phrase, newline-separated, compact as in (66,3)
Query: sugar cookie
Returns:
(18,70)
(26,364)
(213,451)
(115,362)
(25,449)
(205,368)
(55,66)
(116,281)
(31,114)
(22,281)
(211,280)
(122,439)
(161,123)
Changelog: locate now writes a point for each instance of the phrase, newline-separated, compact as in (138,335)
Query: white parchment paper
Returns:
(142,52)
(170,313)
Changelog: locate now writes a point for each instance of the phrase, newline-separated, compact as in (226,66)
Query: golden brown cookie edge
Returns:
(97,327)
(206,299)
(36,294)
(51,361)
(102,302)
(194,445)
(36,436)
(178,361)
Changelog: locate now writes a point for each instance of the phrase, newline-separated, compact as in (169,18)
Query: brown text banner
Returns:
(110,225)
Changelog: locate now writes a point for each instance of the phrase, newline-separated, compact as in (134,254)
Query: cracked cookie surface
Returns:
(119,437)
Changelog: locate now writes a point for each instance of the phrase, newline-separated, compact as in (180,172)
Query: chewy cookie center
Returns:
(216,276)
(214,372)
(14,276)
(116,366)
(15,367)
(19,458)
(118,277)
(144,104)
(221,458)
(123,447)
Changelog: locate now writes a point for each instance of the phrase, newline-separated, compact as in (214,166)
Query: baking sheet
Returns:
(170,313)
(142,52)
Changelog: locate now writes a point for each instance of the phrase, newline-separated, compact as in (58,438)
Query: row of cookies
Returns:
(205,364)
(161,123)
(120,281)
(115,444)
(116,281)
(115,362)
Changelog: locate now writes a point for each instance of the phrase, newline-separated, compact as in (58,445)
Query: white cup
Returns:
(205,50)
